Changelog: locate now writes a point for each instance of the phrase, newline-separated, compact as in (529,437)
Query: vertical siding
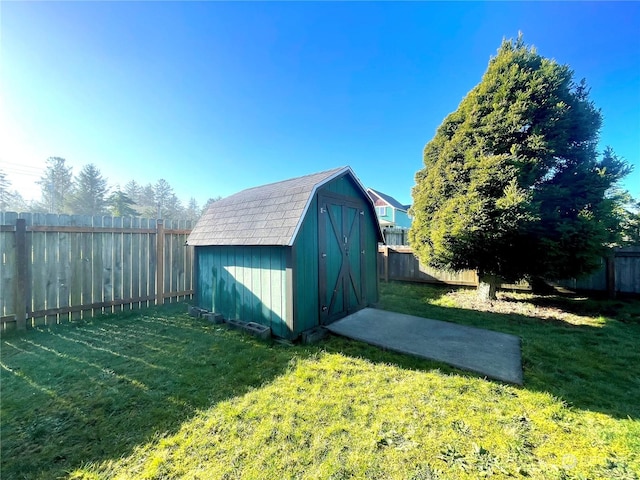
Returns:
(344,186)
(371,229)
(245,283)
(305,272)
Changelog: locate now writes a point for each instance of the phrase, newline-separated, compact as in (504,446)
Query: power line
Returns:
(21,170)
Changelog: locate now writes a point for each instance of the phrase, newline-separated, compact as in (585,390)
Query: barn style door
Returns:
(341,250)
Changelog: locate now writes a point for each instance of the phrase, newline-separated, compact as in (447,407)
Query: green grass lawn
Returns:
(158,394)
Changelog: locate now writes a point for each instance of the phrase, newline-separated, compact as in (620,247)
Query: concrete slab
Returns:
(494,354)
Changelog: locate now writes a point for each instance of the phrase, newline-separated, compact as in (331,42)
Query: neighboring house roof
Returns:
(266,215)
(389,200)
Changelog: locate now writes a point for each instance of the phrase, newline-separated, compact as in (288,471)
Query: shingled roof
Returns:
(388,199)
(266,215)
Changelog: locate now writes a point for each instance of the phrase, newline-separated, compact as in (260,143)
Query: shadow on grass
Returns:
(92,391)
(592,367)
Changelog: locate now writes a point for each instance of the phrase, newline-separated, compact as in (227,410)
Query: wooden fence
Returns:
(618,274)
(395,236)
(399,263)
(57,268)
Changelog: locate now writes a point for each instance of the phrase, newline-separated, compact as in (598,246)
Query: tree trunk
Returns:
(487,286)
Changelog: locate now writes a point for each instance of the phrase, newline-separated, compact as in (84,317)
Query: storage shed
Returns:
(290,255)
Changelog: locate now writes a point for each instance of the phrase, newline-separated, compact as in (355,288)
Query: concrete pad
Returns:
(494,354)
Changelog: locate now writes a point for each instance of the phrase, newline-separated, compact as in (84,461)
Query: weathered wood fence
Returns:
(396,236)
(618,274)
(57,268)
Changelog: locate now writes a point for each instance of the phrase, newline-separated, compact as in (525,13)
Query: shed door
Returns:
(341,249)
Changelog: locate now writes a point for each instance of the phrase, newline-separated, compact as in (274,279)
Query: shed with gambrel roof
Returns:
(290,255)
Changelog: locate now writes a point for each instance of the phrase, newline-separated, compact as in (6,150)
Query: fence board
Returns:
(136,260)
(145,265)
(38,269)
(117,270)
(627,270)
(152,254)
(8,271)
(64,268)
(52,252)
(86,258)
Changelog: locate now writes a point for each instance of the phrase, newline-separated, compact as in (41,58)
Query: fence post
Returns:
(160,260)
(386,263)
(21,274)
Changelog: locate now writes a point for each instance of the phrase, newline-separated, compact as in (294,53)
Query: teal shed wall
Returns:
(279,286)
(247,283)
(305,272)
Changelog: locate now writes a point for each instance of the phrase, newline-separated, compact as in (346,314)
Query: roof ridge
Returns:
(325,172)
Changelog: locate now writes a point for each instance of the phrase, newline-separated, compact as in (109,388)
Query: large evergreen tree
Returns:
(90,192)
(512,184)
(56,185)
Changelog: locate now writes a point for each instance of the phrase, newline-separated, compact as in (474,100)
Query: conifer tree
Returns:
(512,185)
(90,192)
(57,186)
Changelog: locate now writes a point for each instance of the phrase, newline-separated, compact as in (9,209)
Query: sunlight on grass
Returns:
(333,416)
(158,394)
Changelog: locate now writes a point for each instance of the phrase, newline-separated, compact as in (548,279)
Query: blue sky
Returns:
(216,97)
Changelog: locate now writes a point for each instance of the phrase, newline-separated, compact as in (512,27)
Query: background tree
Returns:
(146,202)
(133,190)
(5,194)
(512,185)
(173,208)
(162,196)
(56,185)
(192,212)
(90,192)
(120,205)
